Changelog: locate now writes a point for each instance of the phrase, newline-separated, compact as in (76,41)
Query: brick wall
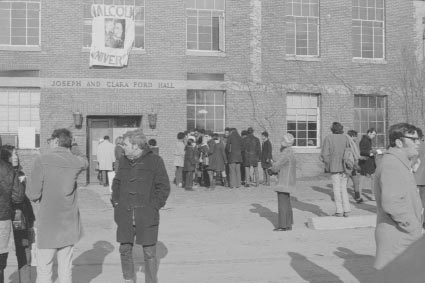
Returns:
(262,106)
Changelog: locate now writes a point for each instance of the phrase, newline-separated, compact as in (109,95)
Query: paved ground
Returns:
(226,236)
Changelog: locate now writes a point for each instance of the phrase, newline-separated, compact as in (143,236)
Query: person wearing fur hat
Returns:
(285,167)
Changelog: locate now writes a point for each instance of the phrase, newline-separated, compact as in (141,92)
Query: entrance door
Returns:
(98,128)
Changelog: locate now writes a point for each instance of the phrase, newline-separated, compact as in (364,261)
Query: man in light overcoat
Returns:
(53,186)
(399,207)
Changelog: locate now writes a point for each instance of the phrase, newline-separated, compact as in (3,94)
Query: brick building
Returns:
(293,65)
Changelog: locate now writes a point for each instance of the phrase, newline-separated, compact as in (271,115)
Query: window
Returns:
(19,109)
(205,110)
(205,25)
(302,118)
(139,18)
(302,27)
(20,23)
(370,112)
(368,29)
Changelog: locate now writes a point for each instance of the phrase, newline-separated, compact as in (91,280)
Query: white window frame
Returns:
(25,47)
(205,105)
(289,97)
(16,96)
(222,26)
(290,14)
(362,130)
(356,5)
(88,21)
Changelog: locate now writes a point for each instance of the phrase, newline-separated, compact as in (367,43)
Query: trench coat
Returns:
(179,154)
(234,148)
(252,150)
(266,154)
(399,207)
(190,160)
(105,155)
(367,164)
(286,167)
(53,184)
(217,156)
(333,152)
(140,186)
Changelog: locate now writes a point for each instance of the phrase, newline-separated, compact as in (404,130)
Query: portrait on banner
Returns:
(113,36)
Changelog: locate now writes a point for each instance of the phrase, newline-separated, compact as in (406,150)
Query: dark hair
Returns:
(398,131)
(64,137)
(189,142)
(6,152)
(180,135)
(352,133)
(265,134)
(106,138)
(152,142)
(244,133)
(227,129)
(250,130)
(420,133)
(337,128)
(371,130)
(201,131)
(215,136)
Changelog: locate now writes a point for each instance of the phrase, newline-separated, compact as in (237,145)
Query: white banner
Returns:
(112,35)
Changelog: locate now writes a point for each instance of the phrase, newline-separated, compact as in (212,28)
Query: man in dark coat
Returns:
(252,155)
(266,157)
(234,157)
(367,162)
(140,188)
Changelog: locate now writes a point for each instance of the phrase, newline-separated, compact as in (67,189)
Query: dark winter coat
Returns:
(142,186)
(190,159)
(10,190)
(234,148)
(266,154)
(217,156)
(367,164)
(119,152)
(252,150)
(25,206)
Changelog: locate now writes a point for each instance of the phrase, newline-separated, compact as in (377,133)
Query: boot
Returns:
(225,182)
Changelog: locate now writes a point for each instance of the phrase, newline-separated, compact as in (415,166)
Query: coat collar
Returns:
(398,153)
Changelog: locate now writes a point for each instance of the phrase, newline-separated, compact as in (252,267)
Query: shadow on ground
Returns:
(139,261)
(329,192)
(265,212)
(310,271)
(305,206)
(89,264)
(359,265)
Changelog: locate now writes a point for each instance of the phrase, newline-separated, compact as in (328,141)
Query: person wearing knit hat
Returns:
(285,167)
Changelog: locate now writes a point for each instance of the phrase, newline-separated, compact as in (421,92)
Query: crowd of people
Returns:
(132,167)
(203,158)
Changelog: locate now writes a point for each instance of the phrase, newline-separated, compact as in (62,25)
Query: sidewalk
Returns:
(226,236)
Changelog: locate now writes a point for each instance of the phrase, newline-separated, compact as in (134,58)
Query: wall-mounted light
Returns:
(202,111)
(78,119)
(152,119)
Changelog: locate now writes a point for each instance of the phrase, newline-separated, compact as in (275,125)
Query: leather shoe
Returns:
(282,229)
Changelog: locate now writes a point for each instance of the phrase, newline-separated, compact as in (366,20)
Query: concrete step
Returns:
(335,223)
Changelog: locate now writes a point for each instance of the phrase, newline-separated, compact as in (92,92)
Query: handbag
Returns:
(19,222)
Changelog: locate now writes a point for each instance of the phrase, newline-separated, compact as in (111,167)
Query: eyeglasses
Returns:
(412,138)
